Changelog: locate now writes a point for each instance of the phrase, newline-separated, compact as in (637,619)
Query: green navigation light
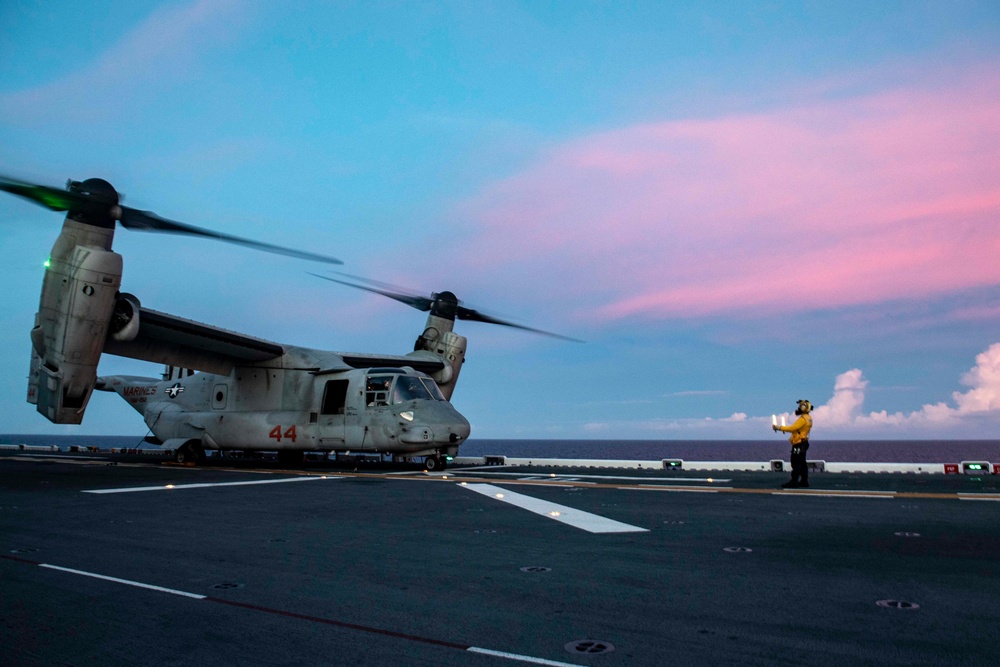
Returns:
(48,262)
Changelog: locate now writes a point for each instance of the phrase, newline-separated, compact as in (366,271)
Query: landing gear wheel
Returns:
(434,463)
(189,453)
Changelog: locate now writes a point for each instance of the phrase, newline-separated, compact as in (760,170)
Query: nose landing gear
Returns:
(435,463)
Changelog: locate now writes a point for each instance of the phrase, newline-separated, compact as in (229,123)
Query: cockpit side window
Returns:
(377,390)
(409,388)
(433,389)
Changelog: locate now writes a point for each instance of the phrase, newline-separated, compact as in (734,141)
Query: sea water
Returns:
(881,451)
(875,451)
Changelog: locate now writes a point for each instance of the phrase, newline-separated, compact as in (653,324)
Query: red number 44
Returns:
(277,434)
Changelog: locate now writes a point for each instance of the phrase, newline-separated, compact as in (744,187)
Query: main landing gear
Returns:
(189,453)
(291,457)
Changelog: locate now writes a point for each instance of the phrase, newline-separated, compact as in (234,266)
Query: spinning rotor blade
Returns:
(98,201)
(147,221)
(464,313)
(445,301)
(413,301)
(53,199)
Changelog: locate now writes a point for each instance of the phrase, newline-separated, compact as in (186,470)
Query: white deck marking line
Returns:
(985,496)
(554,481)
(81,461)
(834,492)
(675,489)
(592,523)
(840,494)
(522,658)
(175,487)
(665,480)
(124,581)
(41,456)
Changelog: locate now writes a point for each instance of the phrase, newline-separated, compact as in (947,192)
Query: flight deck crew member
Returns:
(800,444)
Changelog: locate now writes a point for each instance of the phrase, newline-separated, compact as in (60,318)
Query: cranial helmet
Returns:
(805,407)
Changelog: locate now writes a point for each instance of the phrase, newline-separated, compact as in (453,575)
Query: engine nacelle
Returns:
(439,338)
(78,298)
(454,354)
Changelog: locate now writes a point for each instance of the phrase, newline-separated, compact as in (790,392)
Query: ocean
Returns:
(873,451)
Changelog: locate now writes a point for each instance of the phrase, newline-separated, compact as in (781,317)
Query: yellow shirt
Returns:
(799,430)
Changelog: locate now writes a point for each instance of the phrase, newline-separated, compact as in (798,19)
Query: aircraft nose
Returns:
(465,428)
(442,423)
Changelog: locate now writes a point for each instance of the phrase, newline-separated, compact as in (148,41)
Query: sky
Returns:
(735,205)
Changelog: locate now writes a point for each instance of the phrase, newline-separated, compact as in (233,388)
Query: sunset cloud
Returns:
(846,201)
(162,47)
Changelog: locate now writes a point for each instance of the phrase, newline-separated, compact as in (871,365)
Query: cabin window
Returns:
(377,390)
(334,397)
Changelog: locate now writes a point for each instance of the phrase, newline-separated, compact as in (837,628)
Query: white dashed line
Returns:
(839,494)
(175,487)
(521,658)
(303,617)
(127,582)
(986,496)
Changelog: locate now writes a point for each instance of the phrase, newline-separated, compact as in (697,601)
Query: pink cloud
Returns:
(848,201)
(161,48)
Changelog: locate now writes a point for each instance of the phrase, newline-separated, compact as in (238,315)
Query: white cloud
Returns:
(985,382)
(844,408)
(978,409)
(848,396)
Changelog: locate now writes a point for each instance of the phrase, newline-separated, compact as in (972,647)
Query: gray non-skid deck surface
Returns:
(397,567)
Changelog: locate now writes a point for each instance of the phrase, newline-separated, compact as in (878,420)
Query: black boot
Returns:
(791,484)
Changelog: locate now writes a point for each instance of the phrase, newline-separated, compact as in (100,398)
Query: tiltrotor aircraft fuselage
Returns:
(224,390)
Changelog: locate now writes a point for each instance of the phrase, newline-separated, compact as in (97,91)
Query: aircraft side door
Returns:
(332,410)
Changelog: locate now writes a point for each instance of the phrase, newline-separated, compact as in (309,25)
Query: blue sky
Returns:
(736,205)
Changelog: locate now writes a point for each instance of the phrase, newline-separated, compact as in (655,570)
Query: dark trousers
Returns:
(800,470)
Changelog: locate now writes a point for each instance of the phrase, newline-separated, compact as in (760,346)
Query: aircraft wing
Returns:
(168,339)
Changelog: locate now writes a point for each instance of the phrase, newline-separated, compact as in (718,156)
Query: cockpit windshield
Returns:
(408,388)
(389,387)
(434,390)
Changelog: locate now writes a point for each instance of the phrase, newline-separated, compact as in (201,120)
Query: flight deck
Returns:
(126,559)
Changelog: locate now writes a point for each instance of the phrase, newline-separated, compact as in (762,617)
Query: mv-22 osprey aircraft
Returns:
(224,390)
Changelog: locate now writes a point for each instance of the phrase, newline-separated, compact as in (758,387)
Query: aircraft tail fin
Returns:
(137,391)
